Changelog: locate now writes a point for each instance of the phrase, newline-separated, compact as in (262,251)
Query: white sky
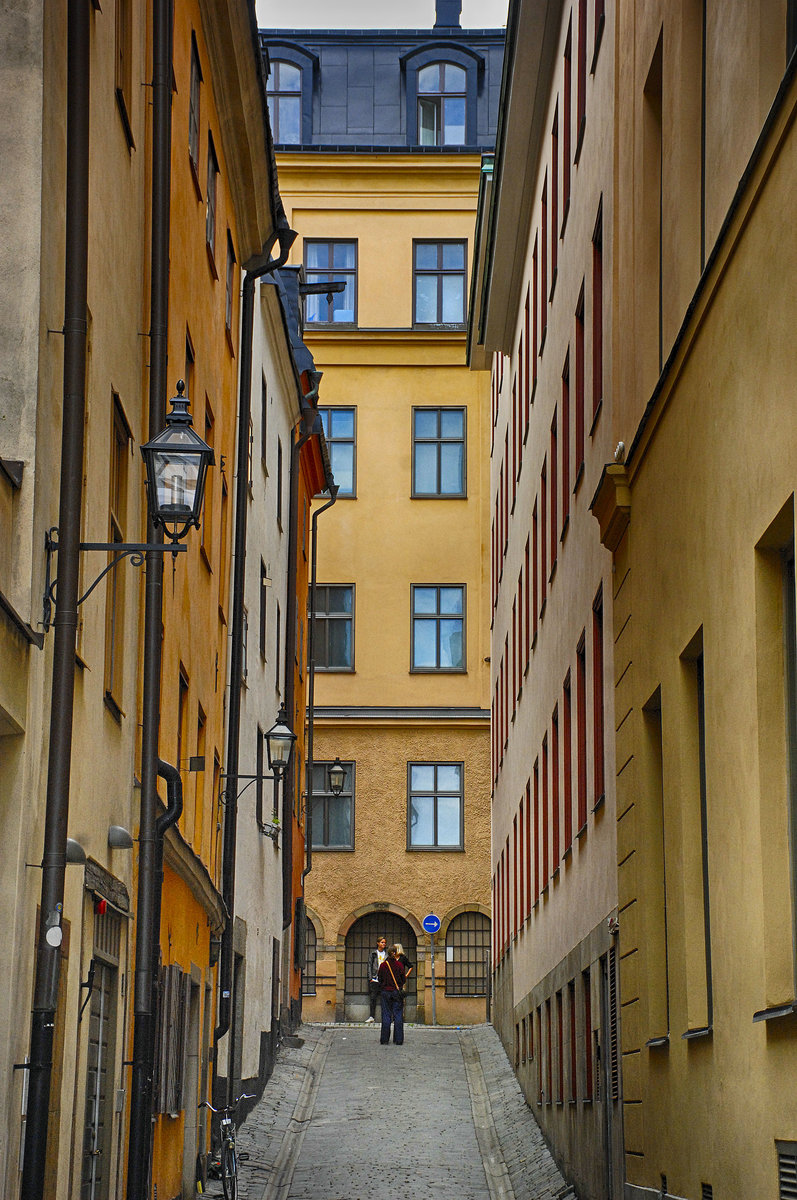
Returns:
(373,14)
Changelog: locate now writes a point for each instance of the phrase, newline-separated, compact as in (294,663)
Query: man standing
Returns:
(391,980)
(375,960)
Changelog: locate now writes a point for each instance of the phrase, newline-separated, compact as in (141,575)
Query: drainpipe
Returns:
(48,952)
(308,812)
(288,786)
(256,268)
(149,860)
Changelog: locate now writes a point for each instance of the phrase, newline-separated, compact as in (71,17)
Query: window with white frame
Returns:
(435,806)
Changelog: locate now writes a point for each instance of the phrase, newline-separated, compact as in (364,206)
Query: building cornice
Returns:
(400,714)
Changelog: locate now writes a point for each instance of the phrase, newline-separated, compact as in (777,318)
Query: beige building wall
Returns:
(701,522)
(542,315)
(382,716)
(34,77)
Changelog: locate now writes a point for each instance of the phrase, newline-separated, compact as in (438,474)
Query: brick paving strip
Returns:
(342,1118)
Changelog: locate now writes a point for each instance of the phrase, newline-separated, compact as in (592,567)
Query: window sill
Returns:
(694,1035)
(212,260)
(579,477)
(553,572)
(228,335)
(568,854)
(438,670)
(659,1043)
(435,849)
(565,527)
(195,176)
(555,874)
(554,277)
(565,211)
(580,139)
(543,335)
(582,831)
(203,554)
(596,417)
(335,670)
(121,104)
(774,1014)
(327,325)
(598,40)
(113,708)
(599,802)
(333,849)
(438,495)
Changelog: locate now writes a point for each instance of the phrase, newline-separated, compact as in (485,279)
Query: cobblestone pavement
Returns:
(343,1118)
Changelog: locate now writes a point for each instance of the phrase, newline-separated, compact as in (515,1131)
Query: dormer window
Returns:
(285,102)
(442,92)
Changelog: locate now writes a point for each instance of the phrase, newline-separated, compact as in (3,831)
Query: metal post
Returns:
(434,1007)
(48,953)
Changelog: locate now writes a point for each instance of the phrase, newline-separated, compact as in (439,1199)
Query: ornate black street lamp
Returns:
(337,777)
(177,461)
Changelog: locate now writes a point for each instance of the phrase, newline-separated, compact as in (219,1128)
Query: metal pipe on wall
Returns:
(48,952)
(148,900)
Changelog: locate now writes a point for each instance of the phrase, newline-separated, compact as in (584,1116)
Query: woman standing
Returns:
(392,976)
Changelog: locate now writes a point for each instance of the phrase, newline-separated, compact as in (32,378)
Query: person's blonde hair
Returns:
(399,948)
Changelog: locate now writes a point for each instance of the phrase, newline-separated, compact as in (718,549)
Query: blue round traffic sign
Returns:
(431,923)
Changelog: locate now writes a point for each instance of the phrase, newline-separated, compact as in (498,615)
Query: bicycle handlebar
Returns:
(228,1108)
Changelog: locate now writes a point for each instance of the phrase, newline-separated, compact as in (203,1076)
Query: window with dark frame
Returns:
(264,584)
(438,452)
(553,497)
(333,632)
(555,198)
(310,956)
(544,264)
(567,121)
(260,761)
(340,426)
(567,763)
(206,540)
(555,811)
(579,398)
(581,81)
(438,627)
(467,954)
(333,816)
(597,312)
(597,698)
(284,92)
(117,525)
(210,214)
(442,97)
(581,732)
(193,106)
(566,442)
(331,262)
(279,482)
(124,65)
(435,806)
(264,423)
(439,277)
(230,283)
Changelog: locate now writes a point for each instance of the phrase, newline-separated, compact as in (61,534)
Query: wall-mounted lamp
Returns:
(75,853)
(119,838)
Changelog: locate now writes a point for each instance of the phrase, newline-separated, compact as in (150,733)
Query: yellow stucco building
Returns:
(698,511)
(401,634)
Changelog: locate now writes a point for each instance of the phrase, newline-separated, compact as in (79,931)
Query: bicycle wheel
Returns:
(229,1172)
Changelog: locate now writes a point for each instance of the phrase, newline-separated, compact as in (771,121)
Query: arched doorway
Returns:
(360,941)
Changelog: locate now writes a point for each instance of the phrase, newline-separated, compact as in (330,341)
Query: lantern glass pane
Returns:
(176,478)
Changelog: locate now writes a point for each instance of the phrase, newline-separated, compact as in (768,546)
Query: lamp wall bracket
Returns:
(135,551)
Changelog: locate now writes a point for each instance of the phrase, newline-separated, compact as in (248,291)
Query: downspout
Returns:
(288,786)
(308,812)
(145,1005)
(256,268)
(48,952)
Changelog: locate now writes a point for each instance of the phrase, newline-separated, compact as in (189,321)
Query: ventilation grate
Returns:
(787,1170)
(707,1193)
(614,1047)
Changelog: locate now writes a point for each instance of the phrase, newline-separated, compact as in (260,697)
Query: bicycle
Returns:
(228,1156)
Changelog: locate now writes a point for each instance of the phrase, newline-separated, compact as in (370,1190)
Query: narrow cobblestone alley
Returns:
(344,1118)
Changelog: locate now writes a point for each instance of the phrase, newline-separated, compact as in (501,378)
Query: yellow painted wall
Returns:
(383,541)
(713,470)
